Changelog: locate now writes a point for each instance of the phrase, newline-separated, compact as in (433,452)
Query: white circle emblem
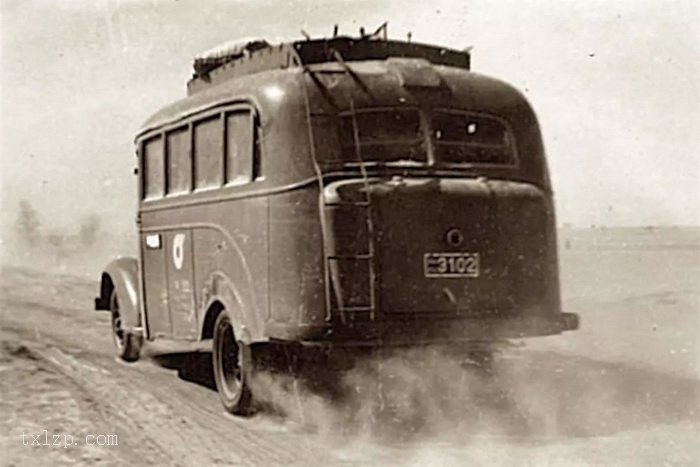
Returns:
(179,250)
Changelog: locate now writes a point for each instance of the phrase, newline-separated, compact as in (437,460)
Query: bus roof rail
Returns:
(248,56)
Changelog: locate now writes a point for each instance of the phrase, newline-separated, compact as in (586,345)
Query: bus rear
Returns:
(437,212)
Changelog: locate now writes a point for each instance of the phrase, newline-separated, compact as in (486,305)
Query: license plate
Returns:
(451,265)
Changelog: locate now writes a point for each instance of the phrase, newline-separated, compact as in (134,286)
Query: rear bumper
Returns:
(410,332)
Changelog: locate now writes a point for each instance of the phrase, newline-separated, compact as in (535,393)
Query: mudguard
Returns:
(122,274)
(219,289)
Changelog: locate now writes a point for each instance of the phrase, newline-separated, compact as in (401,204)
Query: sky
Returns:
(615,84)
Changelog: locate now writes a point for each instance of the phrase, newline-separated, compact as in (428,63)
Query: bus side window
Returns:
(208,153)
(240,150)
(153,168)
(179,176)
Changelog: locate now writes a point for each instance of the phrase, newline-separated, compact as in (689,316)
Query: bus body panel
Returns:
(228,243)
(265,247)
(297,285)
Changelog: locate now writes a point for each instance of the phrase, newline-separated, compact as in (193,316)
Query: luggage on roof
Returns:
(253,55)
(226,52)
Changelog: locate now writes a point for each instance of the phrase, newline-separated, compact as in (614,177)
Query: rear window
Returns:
(382,135)
(473,139)
(240,145)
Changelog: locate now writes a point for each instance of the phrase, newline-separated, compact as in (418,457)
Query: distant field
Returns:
(638,294)
(612,264)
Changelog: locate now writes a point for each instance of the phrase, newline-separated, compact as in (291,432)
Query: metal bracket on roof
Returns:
(383,29)
(381,33)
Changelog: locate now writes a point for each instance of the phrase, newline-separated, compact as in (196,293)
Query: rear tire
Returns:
(232,362)
(127,343)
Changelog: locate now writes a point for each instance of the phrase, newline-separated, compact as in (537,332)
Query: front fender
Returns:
(122,274)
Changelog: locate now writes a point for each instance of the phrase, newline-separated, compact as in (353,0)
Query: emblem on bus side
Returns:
(179,250)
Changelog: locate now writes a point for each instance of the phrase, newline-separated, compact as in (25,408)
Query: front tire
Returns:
(232,362)
(127,343)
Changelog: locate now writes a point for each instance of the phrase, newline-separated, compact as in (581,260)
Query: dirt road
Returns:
(625,390)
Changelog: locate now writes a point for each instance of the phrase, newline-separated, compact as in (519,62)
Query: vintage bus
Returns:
(348,192)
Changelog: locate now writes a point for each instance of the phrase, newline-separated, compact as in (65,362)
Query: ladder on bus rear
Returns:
(365,203)
(368,256)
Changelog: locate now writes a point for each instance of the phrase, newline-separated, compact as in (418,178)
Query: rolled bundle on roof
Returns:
(226,52)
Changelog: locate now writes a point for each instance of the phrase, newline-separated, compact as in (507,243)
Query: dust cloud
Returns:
(82,248)
(427,401)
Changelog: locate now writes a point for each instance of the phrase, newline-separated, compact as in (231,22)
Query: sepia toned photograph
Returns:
(349,233)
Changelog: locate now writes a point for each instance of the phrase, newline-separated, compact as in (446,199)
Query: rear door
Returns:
(180,273)
(155,284)
(155,280)
(438,248)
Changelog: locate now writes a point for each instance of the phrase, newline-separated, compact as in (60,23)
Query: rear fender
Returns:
(219,289)
(122,274)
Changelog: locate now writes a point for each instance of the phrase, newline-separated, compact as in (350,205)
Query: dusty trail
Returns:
(613,393)
(182,420)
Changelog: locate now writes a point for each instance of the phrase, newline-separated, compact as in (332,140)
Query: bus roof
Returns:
(255,55)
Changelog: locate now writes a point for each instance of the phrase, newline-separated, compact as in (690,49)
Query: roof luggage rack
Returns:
(250,56)
(225,53)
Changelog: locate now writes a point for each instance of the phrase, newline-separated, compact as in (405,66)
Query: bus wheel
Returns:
(128,344)
(232,368)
